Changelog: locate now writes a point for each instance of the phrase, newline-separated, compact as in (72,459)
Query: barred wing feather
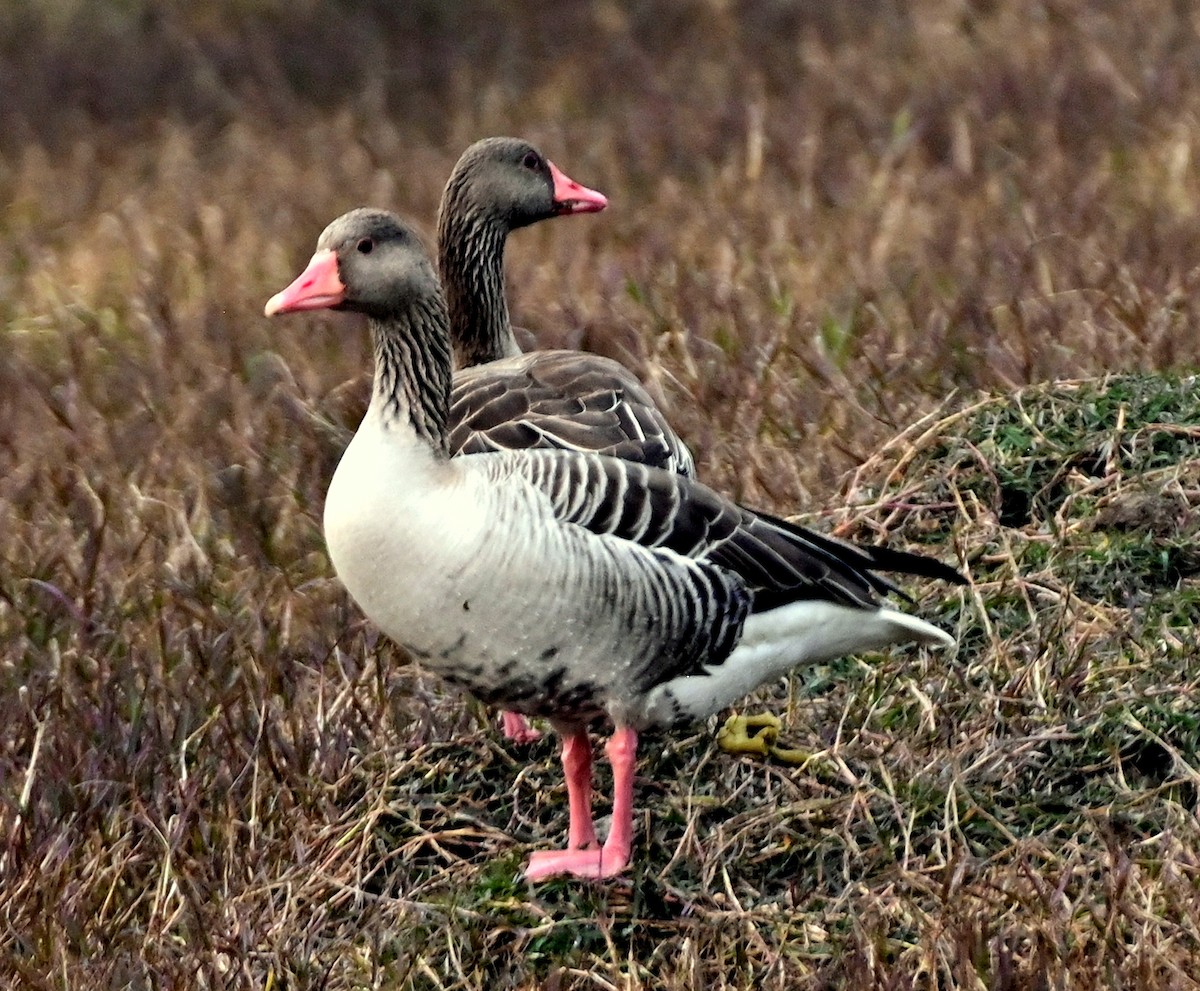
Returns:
(781,562)
(565,400)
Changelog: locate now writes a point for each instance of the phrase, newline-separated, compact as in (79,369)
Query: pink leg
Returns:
(577,766)
(517,728)
(622,755)
(613,857)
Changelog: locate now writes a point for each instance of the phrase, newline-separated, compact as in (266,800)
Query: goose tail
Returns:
(800,634)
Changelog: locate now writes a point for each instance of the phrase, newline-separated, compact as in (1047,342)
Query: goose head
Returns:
(368,261)
(509,182)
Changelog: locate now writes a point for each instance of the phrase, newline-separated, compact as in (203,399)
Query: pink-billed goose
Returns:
(563,584)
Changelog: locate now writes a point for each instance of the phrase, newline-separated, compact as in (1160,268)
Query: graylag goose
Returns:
(566,584)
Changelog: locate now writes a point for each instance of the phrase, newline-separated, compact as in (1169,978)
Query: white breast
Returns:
(473,576)
(400,524)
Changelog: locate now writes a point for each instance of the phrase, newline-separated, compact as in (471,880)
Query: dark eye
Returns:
(531,160)
(365,245)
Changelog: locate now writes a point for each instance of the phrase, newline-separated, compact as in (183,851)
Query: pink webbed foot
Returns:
(595,863)
(517,728)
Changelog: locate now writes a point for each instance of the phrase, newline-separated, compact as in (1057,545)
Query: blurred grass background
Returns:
(825,220)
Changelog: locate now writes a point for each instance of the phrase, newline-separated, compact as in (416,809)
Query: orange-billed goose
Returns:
(565,584)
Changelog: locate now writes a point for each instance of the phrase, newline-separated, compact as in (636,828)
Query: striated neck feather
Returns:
(471,264)
(412,370)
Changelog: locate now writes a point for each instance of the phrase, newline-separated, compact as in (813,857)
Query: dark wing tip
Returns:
(904,562)
(853,569)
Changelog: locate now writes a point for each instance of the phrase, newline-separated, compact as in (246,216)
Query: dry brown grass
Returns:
(826,219)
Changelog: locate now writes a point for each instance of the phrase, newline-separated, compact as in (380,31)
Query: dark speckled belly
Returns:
(552,695)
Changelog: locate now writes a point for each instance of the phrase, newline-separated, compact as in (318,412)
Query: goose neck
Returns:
(471,260)
(412,372)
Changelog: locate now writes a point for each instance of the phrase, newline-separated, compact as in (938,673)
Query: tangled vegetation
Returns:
(931,264)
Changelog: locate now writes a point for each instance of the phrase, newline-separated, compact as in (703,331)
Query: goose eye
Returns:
(365,245)
(531,160)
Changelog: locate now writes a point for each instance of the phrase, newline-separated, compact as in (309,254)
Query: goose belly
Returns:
(522,637)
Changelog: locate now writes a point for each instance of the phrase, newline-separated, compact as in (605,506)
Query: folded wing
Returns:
(566,400)
(779,562)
